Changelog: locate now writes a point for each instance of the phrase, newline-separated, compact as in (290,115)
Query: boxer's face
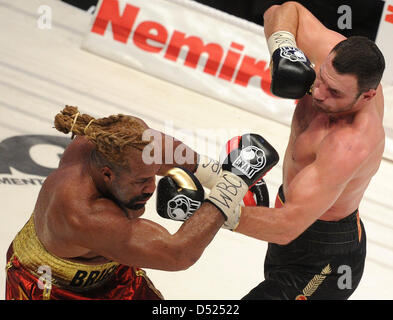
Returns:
(334,93)
(134,186)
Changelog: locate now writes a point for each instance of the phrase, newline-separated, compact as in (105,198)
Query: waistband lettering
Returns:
(83,278)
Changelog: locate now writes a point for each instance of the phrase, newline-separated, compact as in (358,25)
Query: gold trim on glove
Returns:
(182,179)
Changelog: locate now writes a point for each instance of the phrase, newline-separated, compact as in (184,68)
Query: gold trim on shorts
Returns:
(64,273)
(142,273)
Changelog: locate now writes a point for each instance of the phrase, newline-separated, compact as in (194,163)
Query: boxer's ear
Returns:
(368,95)
(107,174)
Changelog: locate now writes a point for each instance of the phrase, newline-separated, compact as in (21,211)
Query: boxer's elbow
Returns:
(188,256)
(174,265)
(187,261)
(277,8)
(180,257)
(181,262)
(284,238)
(269,13)
(288,227)
(281,17)
(291,5)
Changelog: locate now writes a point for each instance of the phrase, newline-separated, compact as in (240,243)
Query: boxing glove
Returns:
(249,157)
(291,71)
(208,171)
(173,204)
(257,195)
(246,160)
(179,194)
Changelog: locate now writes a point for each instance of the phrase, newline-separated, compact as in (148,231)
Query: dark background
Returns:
(365,13)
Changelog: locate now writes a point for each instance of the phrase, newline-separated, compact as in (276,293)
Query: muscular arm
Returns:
(176,153)
(104,229)
(169,151)
(310,194)
(312,37)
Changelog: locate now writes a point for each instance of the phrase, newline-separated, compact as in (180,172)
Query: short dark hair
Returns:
(360,57)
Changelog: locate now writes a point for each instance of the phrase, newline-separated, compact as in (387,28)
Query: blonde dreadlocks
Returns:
(111,135)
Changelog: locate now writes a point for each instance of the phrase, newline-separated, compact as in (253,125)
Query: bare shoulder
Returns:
(353,145)
(76,213)
(348,141)
(77,150)
(80,210)
(70,195)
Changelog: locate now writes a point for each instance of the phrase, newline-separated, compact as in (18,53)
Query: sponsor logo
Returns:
(19,155)
(155,38)
(250,161)
(292,54)
(181,207)
(389,16)
(314,283)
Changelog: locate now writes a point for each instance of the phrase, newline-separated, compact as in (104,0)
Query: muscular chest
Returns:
(308,133)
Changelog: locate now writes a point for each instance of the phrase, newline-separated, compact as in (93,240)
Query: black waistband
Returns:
(342,234)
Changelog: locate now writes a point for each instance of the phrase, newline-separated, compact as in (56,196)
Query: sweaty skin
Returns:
(336,142)
(76,220)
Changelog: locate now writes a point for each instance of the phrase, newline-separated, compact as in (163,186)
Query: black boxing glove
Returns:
(292,72)
(257,195)
(179,195)
(248,158)
(181,208)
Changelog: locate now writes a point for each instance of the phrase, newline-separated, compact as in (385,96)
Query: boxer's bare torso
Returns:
(328,164)
(69,188)
(313,130)
(336,142)
(78,220)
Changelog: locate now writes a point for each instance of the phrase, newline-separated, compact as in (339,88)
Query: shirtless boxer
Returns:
(335,147)
(85,238)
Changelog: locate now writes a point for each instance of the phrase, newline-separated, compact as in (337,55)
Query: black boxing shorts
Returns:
(325,262)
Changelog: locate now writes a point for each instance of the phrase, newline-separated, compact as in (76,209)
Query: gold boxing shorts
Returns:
(33,273)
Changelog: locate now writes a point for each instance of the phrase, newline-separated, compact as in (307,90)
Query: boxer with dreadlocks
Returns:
(86,239)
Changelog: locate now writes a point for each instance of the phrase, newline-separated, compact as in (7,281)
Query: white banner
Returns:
(192,45)
(205,50)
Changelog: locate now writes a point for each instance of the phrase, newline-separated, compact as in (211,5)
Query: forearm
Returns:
(291,78)
(267,224)
(150,245)
(281,18)
(188,159)
(195,235)
(200,229)
(177,154)
(174,153)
